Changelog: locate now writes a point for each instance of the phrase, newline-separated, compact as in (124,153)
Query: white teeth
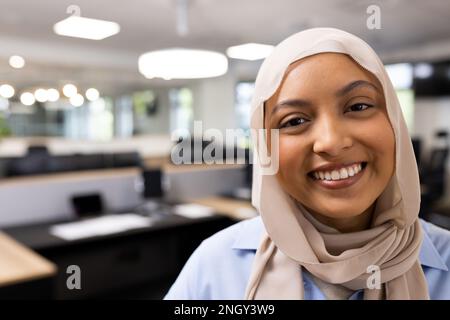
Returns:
(343,173)
(335,175)
(340,174)
(351,172)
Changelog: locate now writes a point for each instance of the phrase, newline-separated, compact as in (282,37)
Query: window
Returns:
(243,101)
(401,75)
(181,109)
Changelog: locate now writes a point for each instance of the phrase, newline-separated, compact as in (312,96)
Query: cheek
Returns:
(379,137)
(292,153)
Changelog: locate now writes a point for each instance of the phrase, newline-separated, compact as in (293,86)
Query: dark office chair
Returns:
(433,180)
(153,193)
(126,159)
(57,164)
(35,161)
(417,146)
(89,161)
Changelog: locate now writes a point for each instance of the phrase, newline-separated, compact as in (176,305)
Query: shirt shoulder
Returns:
(437,256)
(440,238)
(219,268)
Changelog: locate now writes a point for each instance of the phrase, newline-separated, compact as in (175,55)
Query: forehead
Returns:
(329,62)
(325,70)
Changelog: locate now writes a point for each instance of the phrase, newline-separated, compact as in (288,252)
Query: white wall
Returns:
(214,102)
(214,99)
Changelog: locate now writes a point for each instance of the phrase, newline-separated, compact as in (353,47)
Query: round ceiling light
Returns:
(182,64)
(6,91)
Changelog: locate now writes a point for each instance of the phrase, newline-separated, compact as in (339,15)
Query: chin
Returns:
(340,211)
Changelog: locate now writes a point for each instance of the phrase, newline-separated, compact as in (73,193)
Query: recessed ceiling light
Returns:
(92,94)
(17,62)
(423,70)
(6,91)
(27,98)
(70,90)
(249,51)
(77,100)
(182,64)
(86,28)
(41,95)
(53,94)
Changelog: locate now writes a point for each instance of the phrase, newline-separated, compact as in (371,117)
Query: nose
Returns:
(331,136)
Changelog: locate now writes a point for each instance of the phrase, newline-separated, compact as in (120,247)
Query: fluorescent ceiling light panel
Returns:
(86,28)
(250,51)
(182,64)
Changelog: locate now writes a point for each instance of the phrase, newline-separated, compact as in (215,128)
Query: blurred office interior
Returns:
(87,128)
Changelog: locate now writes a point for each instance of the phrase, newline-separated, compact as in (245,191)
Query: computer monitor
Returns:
(85,205)
(153,183)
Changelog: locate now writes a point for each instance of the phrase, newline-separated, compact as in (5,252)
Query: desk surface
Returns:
(19,264)
(231,208)
(38,237)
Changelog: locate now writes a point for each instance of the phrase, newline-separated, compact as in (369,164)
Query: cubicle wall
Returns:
(202,181)
(47,198)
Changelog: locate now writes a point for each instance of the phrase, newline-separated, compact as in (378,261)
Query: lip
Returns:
(339,184)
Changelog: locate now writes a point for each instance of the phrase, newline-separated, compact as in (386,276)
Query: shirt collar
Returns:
(429,255)
(249,236)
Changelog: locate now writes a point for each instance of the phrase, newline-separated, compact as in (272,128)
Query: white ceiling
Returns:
(26,29)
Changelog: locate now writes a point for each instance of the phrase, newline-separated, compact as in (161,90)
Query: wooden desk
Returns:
(231,208)
(19,264)
(23,273)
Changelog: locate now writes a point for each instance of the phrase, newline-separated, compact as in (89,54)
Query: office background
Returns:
(86,176)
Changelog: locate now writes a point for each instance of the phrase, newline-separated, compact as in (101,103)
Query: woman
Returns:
(339,219)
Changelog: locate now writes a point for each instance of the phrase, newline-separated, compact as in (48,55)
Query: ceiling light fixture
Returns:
(17,62)
(53,94)
(182,64)
(92,94)
(76,100)
(6,91)
(423,70)
(86,28)
(27,98)
(250,51)
(41,95)
(70,90)
(182,17)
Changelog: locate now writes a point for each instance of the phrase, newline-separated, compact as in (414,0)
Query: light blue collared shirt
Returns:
(220,267)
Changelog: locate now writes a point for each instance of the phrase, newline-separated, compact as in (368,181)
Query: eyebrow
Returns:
(355,84)
(341,92)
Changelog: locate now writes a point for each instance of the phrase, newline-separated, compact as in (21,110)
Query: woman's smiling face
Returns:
(336,144)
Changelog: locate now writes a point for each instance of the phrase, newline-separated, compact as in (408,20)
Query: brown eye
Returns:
(293,122)
(360,107)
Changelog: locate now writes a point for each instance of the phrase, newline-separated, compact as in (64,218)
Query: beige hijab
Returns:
(294,241)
